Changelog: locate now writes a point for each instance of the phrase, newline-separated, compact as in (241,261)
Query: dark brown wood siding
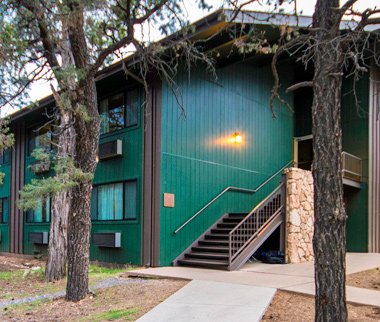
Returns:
(374,163)
(16,216)
(151,188)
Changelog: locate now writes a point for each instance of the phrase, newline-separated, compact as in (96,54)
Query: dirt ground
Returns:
(20,277)
(291,307)
(8,264)
(120,303)
(367,279)
(24,277)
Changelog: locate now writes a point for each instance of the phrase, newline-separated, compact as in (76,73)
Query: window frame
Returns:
(3,153)
(39,222)
(124,219)
(31,129)
(125,94)
(2,222)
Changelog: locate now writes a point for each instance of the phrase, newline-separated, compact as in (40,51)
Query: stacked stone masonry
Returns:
(299,216)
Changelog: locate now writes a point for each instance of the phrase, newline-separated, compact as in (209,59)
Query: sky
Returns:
(305,7)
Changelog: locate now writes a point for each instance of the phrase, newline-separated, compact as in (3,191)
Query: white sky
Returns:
(305,7)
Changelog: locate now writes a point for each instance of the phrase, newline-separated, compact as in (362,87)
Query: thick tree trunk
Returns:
(57,253)
(330,219)
(87,140)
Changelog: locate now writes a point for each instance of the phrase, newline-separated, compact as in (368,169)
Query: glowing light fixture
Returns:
(237,138)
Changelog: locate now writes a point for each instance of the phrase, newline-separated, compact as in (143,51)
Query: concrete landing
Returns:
(290,277)
(203,300)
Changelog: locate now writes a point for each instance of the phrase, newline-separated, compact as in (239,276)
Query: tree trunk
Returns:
(86,149)
(330,219)
(57,252)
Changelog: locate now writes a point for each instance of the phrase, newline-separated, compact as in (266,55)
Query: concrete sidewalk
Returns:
(206,301)
(291,277)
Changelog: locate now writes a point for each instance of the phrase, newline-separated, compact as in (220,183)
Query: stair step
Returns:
(221,231)
(201,255)
(210,249)
(210,242)
(232,220)
(227,225)
(204,263)
(240,217)
(216,236)
(237,214)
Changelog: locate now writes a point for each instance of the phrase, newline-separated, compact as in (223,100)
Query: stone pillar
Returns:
(299,216)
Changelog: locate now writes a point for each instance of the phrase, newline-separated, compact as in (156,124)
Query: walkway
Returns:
(257,276)
(213,301)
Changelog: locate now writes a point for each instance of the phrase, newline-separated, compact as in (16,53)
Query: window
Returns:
(115,201)
(41,214)
(4,210)
(119,111)
(132,106)
(5,156)
(40,137)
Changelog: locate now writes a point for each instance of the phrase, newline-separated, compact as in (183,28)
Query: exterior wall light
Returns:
(237,138)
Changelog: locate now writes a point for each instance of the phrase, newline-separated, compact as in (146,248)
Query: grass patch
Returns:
(22,274)
(4,276)
(112,315)
(100,272)
(31,282)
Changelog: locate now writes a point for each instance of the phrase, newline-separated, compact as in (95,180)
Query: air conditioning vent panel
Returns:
(111,149)
(41,238)
(112,240)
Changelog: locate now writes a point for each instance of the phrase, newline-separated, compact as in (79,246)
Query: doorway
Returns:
(303,152)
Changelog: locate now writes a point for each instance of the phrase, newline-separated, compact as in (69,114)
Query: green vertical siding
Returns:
(5,192)
(197,159)
(128,167)
(121,169)
(355,141)
(29,248)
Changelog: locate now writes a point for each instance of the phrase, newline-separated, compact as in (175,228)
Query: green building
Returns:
(166,175)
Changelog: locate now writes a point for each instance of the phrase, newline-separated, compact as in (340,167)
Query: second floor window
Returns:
(4,210)
(119,111)
(41,214)
(39,138)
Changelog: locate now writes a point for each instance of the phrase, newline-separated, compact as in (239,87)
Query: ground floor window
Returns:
(41,214)
(4,210)
(116,201)
(5,156)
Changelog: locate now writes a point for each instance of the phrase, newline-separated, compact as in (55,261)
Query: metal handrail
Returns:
(270,197)
(230,188)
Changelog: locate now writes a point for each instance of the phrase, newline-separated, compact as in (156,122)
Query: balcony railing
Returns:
(351,169)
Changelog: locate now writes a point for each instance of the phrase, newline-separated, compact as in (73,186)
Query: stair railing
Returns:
(230,188)
(257,219)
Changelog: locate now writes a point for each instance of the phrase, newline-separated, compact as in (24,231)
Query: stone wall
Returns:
(299,216)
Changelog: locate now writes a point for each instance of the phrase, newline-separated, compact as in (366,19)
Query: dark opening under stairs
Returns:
(231,241)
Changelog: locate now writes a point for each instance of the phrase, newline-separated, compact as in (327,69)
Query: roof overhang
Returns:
(203,29)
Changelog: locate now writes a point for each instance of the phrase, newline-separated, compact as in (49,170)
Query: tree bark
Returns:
(57,252)
(329,240)
(86,149)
